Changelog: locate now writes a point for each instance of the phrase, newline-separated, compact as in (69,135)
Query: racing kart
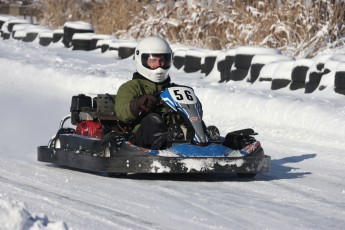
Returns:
(99,142)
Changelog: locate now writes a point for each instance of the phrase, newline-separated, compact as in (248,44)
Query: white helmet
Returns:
(153,57)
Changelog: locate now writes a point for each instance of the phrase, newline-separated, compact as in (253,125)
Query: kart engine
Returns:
(89,114)
(90,129)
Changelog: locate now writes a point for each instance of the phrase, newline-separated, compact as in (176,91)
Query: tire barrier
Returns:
(299,73)
(70,28)
(19,28)
(224,66)
(2,20)
(328,78)
(11,23)
(98,37)
(215,74)
(27,32)
(57,35)
(125,52)
(82,41)
(192,62)
(315,73)
(339,79)
(30,36)
(267,72)
(126,49)
(179,58)
(282,75)
(19,35)
(259,61)
(255,65)
(31,32)
(243,58)
(208,62)
(103,45)
(46,37)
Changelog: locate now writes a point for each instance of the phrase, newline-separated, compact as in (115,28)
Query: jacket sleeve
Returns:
(125,95)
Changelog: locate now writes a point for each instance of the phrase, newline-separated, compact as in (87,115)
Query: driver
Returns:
(135,102)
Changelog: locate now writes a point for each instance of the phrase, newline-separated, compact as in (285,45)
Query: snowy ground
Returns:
(302,133)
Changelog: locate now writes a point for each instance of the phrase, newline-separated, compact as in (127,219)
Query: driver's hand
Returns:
(145,103)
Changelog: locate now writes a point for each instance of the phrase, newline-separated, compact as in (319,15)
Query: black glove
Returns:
(145,103)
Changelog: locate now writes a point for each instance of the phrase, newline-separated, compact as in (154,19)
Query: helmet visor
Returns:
(154,61)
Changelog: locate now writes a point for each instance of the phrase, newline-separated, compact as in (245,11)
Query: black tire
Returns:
(243,61)
(299,74)
(192,64)
(279,83)
(213,132)
(238,74)
(237,141)
(208,65)
(125,52)
(109,146)
(30,37)
(45,41)
(68,35)
(340,90)
(296,85)
(313,83)
(81,44)
(339,79)
(255,72)
(178,62)
(57,37)
(224,67)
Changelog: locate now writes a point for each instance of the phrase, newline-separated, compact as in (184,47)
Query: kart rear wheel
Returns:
(109,145)
(107,148)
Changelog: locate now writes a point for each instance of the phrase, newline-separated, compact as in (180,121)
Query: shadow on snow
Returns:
(279,171)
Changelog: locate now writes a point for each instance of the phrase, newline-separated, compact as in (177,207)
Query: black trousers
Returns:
(152,130)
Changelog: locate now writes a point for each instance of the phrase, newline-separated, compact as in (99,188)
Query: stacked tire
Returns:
(243,58)
(71,28)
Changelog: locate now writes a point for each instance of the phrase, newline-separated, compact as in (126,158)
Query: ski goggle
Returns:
(154,61)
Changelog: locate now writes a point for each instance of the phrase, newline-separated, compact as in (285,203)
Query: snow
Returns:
(46,34)
(15,216)
(79,25)
(284,70)
(303,62)
(58,31)
(82,36)
(253,50)
(266,58)
(303,133)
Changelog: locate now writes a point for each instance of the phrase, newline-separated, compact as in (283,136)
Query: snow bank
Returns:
(15,216)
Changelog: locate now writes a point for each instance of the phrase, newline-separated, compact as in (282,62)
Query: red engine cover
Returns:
(90,129)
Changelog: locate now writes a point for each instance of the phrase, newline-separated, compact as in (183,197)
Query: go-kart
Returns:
(99,142)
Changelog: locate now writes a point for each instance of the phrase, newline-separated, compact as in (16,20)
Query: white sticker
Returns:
(183,95)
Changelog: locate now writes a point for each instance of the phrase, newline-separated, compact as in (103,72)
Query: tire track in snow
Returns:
(112,217)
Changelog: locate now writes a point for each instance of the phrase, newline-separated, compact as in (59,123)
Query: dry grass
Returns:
(297,28)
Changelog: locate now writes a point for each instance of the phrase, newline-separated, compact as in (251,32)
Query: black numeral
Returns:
(180,97)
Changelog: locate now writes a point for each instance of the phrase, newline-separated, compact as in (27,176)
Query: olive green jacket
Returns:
(136,87)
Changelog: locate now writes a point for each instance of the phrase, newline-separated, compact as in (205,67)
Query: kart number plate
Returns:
(183,95)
